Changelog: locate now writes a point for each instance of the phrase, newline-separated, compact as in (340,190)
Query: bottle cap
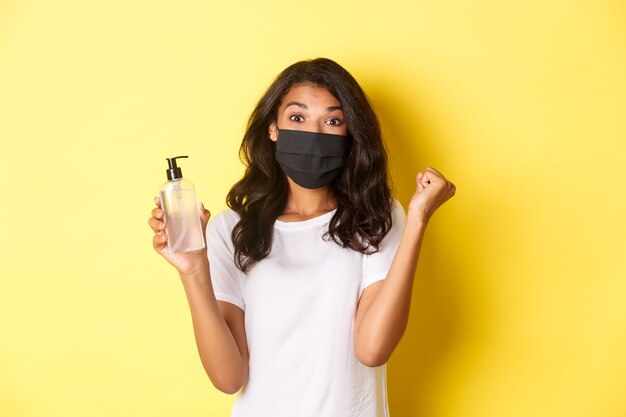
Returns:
(174,172)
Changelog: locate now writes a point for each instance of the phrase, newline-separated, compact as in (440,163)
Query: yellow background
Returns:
(519,300)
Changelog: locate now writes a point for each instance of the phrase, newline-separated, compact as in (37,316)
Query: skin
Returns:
(383,309)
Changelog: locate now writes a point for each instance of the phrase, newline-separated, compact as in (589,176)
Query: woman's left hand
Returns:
(433,189)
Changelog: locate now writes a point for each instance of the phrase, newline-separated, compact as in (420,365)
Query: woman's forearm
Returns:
(385,320)
(218,350)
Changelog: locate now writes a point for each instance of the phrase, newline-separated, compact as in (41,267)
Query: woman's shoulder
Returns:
(398,215)
(397,209)
(225,218)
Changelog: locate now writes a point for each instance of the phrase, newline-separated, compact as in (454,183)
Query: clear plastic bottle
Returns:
(182,218)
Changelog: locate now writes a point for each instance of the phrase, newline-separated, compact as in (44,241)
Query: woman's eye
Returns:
(335,122)
(295,115)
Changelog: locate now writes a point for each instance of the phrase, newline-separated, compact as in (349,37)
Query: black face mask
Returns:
(311,159)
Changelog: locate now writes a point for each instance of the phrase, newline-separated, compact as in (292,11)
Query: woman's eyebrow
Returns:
(296,103)
(305,107)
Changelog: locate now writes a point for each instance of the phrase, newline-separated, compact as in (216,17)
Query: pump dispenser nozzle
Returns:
(182,218)
(174,172)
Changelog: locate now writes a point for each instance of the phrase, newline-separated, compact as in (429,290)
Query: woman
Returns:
(304,288)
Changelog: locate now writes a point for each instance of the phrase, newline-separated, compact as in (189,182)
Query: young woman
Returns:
(304,288)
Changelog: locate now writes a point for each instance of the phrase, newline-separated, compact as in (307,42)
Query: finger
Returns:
(432,177)
(156,224)
(429,168)
(418,179)
(204,213)
(157,213)
(206,210)
(157,201)
(426,178)
(159,241)
(437,177)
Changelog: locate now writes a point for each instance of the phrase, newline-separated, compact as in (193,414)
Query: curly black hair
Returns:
(363,189)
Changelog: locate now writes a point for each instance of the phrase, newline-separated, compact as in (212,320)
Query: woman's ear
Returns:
(273,133)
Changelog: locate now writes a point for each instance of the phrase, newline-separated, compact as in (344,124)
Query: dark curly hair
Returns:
(362,189)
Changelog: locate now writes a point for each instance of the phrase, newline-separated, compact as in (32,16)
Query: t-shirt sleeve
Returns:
(377,264)
(226,278)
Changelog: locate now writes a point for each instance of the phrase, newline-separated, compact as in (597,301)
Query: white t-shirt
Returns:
(300,306)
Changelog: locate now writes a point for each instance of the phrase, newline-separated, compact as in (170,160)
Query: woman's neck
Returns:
(308,202)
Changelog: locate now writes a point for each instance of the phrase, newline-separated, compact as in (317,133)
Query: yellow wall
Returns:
(518,306)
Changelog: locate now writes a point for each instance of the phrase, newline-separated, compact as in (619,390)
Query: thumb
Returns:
(425,179)
(418,180)
(203,211)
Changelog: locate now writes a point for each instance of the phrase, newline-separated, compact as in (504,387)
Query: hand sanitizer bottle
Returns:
(182,218)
